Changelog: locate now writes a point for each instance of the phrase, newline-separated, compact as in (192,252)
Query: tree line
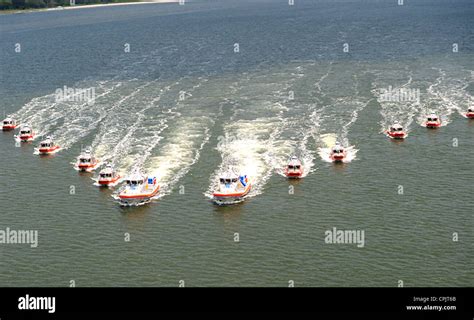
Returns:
(36,4)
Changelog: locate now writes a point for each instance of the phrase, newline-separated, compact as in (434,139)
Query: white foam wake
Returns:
(178,152)
(248,146)
(446,96)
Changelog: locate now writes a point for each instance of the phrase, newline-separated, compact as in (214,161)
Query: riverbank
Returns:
(86,6)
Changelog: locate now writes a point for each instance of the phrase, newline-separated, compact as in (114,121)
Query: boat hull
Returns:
(108,182)
(397,135)
(337,159)
(87,167)
(433,125)
(470,115)
(26,138)
(44,151)
(137,198)
(223,197)
(9,127)
(294,175)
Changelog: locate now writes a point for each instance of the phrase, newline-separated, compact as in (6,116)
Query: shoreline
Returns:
(85,6)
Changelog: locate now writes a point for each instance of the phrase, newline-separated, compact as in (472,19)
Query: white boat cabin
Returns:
(9,122)
(25,131)
(107,173)
(396,128)
(86,157)
(229,178)
(48,143)
(294,163)
(337,149)
(135,180)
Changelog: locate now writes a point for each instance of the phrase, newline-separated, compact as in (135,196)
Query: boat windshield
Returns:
(337,150)
(400,129)
(234,180)
(6,122)
(297,166)
(85,160)
(290,166)
(222,180)
(25,131)
(45,144)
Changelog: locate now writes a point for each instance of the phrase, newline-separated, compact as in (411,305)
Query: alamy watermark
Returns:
(9,236)
(399,95)
(336,236)
(37,303)
(228,139)
(66,94)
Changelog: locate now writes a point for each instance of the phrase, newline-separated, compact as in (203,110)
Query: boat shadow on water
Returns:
(295,182)
(46,155)
(135,211)
(228,209)
(397,141)
(85,174)
(338,166)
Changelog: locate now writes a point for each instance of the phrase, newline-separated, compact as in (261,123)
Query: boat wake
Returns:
(339,116)
(329,141)
(70,117)
(178,152)
(447,95)
(337,100)
(292,140)
(246,147)
(295,132)
(169,144)
(127,135)
(393,111)
(256,139)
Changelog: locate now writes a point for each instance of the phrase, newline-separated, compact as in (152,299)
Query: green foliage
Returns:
(6,4)
(20,4)
(35,4)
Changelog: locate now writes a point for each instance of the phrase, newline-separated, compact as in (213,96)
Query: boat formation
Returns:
(232,186)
